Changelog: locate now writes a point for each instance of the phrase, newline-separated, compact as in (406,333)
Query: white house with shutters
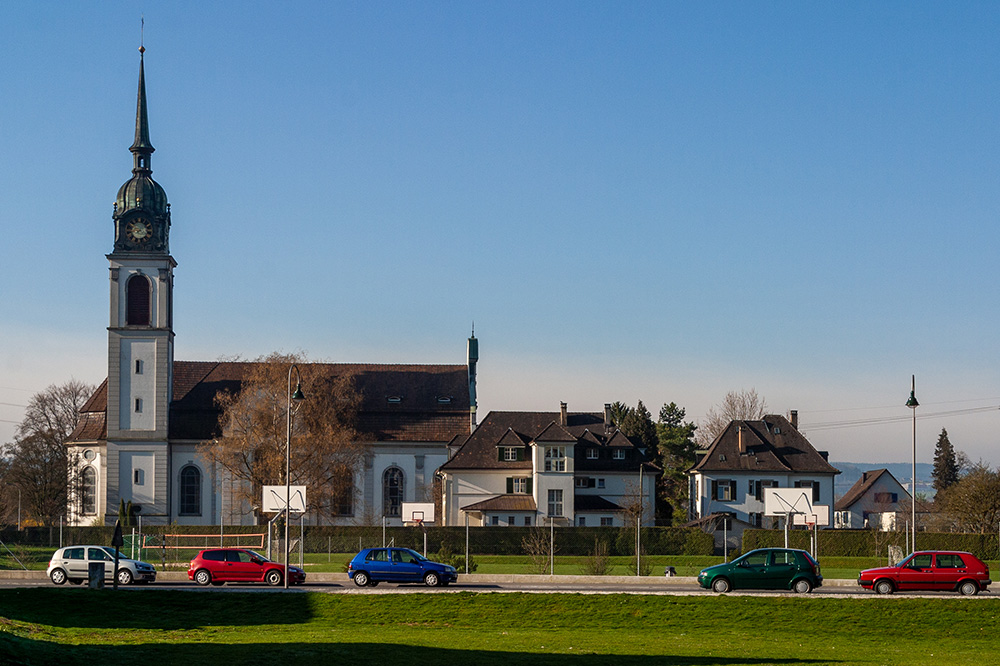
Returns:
(749,456)
(533,468)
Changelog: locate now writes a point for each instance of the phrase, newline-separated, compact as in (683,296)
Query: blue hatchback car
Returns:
(398,565)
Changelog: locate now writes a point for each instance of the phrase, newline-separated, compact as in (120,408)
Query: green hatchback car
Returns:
(765,569)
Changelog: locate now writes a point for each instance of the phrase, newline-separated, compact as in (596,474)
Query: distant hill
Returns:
(850,472)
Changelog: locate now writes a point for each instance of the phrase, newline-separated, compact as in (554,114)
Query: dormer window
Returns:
(618,454)
(510,454)
(591,454)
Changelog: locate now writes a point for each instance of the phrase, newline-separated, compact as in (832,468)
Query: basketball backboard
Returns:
(414,512)
(274,499)
(785,501)
(819,516)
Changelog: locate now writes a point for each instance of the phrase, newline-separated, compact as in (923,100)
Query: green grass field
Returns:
(78,626)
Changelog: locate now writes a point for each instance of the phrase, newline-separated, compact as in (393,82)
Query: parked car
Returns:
(930,570)
(237,565)
(72,564)
(767,569)
(398,565)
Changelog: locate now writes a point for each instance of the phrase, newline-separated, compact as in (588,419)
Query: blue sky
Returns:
(657,201)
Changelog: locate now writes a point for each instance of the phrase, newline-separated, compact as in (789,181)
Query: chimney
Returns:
(563,417)
(743,448)
(607,417)
(794,414)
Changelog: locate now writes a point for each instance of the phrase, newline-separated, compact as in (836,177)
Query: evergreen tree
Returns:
(946,466)
(638,425)
(676,457)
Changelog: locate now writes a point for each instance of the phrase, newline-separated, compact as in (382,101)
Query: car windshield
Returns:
(415,555)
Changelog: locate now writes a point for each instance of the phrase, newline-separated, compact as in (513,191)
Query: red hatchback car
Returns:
(236,565)
(930,570)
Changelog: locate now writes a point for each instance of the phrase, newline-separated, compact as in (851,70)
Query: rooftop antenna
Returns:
(142,31)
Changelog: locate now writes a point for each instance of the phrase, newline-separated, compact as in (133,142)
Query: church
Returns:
(142,437)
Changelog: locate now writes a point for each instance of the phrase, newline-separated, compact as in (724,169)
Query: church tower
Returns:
(140,334)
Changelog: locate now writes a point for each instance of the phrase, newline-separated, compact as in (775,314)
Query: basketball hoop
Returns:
(418,522)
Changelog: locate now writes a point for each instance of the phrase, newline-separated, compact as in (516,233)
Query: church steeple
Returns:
(142,214)
(141,148)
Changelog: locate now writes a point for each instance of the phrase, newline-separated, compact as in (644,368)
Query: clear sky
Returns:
(649,200)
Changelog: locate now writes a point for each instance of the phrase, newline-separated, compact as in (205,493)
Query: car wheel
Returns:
(431,579)
(273,577)
(203,577)
(884,587)
(58,576)
(802,586)
(360,578)
(968,588)
(721,585)
(124,577)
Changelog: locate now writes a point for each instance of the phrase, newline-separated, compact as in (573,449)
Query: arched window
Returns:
(137,296)
(392,492)
(88,491)
(190,491)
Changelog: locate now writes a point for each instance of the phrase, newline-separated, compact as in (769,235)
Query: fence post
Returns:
(466,543)
(552,547)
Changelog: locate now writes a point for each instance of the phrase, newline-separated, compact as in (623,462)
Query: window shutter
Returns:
(591,483)
(759,492)
(732,491)
(499,454)
(815,491)
(529,485)
(715,490)
(520,454)
(510,485)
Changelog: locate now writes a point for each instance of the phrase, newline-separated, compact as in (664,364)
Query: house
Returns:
(876,501)
(749,456)
(142,435)
(534,468)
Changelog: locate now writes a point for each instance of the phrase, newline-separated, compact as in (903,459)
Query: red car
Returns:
(930,570)
(236,565)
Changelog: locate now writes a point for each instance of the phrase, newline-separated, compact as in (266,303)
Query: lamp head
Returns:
(298,395)
(911,402)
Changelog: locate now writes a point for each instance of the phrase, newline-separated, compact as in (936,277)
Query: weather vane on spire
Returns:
(142,30)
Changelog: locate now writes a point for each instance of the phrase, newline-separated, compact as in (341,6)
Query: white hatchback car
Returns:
(73,564)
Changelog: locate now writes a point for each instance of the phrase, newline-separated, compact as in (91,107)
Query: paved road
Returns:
(677,587)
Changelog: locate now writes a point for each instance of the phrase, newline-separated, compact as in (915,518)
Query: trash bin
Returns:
(95,575)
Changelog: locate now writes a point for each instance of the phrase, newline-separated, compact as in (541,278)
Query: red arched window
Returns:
(137,296)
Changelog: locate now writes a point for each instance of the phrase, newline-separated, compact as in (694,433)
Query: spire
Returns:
(142,148)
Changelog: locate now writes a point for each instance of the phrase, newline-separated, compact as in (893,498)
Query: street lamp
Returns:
(913,404)
(297,397)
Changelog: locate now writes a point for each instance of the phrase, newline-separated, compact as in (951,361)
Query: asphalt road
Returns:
(837,589)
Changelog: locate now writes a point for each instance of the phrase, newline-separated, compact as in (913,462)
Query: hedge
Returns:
(348,539)
(869,543)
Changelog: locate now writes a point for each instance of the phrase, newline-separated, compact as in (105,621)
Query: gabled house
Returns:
(533,468)
(749,456)
(875,502)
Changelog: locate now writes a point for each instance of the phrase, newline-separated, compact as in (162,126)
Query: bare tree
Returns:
(36,459)
(325,450)
(974,501)
(743,405)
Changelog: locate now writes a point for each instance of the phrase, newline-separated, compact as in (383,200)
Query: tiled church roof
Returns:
(430,403)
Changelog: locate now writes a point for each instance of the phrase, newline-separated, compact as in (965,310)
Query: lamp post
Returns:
(912,403)
(297,397)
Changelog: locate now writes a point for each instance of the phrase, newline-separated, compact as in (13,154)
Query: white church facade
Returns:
(142,436)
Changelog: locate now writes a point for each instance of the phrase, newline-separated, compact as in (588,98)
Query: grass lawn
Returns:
(79,626)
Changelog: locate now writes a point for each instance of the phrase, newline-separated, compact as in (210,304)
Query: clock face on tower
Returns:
(138,230)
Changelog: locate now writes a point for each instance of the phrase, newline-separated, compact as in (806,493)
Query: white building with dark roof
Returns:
(532,468)
(749,456)
(142,435)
